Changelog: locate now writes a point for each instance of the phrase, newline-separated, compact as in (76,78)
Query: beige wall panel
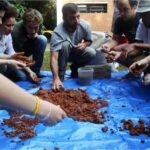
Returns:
(98,21)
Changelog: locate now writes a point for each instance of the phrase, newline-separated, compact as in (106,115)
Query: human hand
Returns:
(16,55)
(120,47)
(32,75)
(138,67)
(128,49)
(57,84)
(81,45)
(105,48)
(16,63)
(50,114)
(113,56)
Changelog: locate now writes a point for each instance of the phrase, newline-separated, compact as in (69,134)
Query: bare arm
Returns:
(5,56)
(114,41)
(110,44)
(54,67)
(54,64)
(142,46)
(136,47)
(148,60)
(19,99)
(13,62)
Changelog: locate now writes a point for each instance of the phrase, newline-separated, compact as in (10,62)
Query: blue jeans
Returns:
(36,48)
(13,73)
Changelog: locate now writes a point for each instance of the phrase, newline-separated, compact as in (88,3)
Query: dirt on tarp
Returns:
(76,103)
(21,126)
(140,128)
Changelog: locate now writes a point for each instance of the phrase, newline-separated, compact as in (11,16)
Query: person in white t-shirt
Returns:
(12,69)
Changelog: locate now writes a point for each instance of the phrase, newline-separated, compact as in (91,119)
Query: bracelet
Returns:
(37,107)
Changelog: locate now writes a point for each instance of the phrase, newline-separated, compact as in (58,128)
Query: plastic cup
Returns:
(85,75)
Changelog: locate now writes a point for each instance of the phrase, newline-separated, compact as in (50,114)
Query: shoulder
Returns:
(18,26)
(84,23)
(19,30)
(59,27)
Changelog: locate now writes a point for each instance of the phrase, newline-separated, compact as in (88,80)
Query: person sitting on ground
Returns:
(125,25)
(27,38)
(142,35)
(48,113)
(70,41)
(14,70)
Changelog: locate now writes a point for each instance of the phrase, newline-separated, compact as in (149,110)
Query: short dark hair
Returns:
(133,2)
(70,8)
(3,5)
(11,12)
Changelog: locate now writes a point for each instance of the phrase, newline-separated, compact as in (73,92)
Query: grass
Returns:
(46,61)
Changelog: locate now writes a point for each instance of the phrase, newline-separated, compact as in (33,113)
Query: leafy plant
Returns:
(46,7)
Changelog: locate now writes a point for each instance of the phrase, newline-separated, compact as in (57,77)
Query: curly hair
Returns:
(32,15)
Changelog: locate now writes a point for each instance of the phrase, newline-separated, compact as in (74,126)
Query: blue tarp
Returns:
(128,99)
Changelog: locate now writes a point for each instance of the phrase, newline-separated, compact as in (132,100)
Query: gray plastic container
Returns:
(85,75)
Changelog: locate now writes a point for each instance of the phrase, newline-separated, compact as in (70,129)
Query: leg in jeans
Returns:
(64,55)
(15,74)
(81,58)
(36,48)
